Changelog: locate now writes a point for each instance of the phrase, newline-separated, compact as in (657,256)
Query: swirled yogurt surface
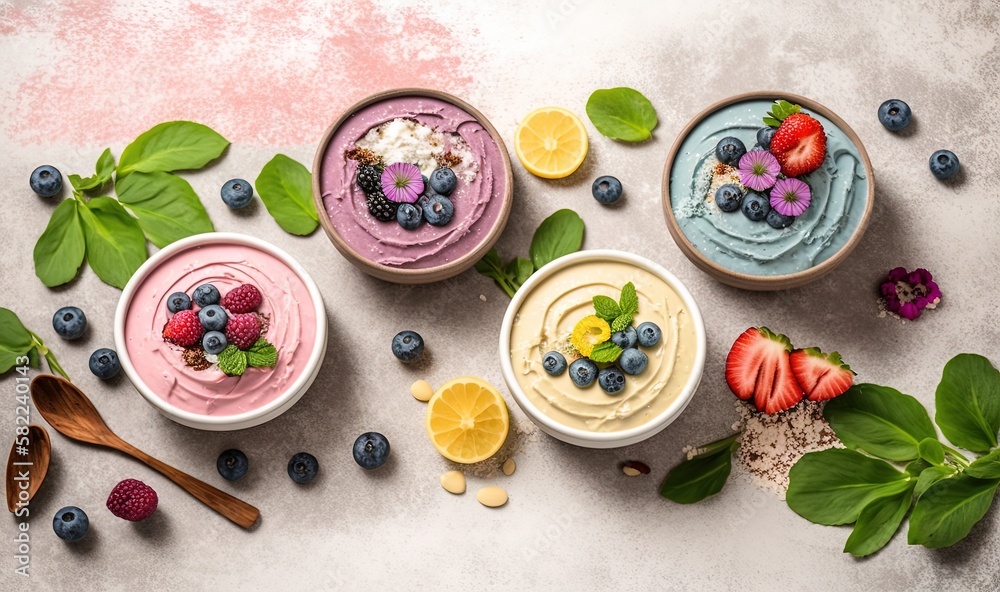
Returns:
(478,202)
(292,329)
(547,316)
(839,198)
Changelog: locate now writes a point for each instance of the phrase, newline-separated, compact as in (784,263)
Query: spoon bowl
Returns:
(28,463)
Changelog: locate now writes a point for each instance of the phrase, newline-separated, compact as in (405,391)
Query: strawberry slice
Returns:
(799,144)
(821,376)
(758,366)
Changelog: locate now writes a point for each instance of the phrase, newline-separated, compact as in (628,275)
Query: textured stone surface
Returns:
(79,76)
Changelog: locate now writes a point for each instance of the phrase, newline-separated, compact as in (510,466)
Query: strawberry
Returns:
(758,366)
(821,376)
(799,144)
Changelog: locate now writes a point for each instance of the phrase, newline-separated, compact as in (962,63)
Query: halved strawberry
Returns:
(758,366)
(821,376)
(799,144)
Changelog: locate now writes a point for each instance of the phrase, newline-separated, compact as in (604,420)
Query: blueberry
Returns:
(237,193)
(178,301)
(583,372)
(408,346)
(755,206)
(554,363)
(729,150)
(205,295)
(104,363)
(443,181)
(764,136)
(944,164)
(71,524)
(611,380)
(409,216)
(625,339)
(438,209)
(729,197)
(894,114)
(632,361)
(778,220)
(214,342)
(46,181)
(233,464)
(649,334)
(69,322)
(606,190)
(302,467)
(213,317)
(371,450)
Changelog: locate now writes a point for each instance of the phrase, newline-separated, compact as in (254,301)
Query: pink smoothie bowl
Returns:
(207,398)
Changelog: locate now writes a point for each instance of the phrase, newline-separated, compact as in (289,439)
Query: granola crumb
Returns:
(363,156)
(195,358)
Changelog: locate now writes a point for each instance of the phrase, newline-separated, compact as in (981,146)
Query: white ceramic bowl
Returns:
(589,439)
(272,409)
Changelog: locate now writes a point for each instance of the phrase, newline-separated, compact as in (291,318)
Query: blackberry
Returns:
(369,179)
(381,208)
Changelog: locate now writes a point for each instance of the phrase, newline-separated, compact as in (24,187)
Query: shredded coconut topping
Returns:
(408,140)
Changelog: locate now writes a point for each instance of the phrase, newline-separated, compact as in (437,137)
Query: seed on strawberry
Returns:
(243,329)
(799,144)
(183,329)
(245,298)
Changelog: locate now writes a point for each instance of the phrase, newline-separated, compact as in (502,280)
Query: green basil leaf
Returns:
(877,523)
(491,266)
(622,114)
(166,206)
(702,476)
(105,165)
(60,250)
(15,340)
(33,359)
(986,466)
(729,442)
(172,146)
(116,246)
(629,301)
(606,308)
(559,234)
(285,187)
(931,476)
(948,510)
(968,402)
(880,420)
(519,270)
(931,451)
(833,486)
(917,467)
(81,184)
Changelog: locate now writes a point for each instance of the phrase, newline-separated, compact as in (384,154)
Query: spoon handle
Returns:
(231,507)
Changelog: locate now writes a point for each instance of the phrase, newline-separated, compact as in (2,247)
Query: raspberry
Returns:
(183,329)
(243,330)
(246,298)
(132,500)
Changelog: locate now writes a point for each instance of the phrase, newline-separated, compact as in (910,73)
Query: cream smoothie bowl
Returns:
(630,384)
(227,357)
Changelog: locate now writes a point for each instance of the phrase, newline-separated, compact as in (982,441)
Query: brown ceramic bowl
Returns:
(469,245)
(775,260)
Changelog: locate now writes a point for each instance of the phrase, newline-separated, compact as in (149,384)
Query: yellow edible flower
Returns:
(589,332)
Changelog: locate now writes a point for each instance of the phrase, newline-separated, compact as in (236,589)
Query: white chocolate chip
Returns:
(453,482)
(421,390)
(492,497)
(508,467)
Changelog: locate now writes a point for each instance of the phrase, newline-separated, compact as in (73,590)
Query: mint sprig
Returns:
(262,354)
(618,314)
(235,361)
(21,347)
(152,204)
(779,111)
(605,353)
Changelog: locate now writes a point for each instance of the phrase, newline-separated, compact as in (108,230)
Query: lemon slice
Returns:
(467,420)
(551,142)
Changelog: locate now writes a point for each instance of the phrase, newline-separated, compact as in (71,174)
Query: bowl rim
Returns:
(247,418)
(631,435)
(419,275)
(758,282)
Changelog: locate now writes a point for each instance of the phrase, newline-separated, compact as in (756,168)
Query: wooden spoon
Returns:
(26,469)
(72,414)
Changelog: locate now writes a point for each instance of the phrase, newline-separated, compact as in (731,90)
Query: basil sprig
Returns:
(20,346)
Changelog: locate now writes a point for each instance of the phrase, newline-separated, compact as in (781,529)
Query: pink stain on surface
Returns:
(273,72)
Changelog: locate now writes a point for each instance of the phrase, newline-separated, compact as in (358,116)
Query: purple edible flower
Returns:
(758,169)
(907,293)
(402,183)
(790,197)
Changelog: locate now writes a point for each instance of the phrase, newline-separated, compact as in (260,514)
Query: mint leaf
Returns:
(605,352)
(285,187)
(262,354)
(948,510)
(60,250)
(559,234)
(629,301)
(233,361)
(702,476)
(968,402)
(621,323)
(15,340)
(116,246)
(166,206)
(172,146)
(622,114)
(606,308)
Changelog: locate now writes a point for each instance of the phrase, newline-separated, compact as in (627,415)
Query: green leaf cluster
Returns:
(21,347)
(152,203)
(235,361)
(559,234)
(622,114)
(779,111)
(619,315)
(894,461)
